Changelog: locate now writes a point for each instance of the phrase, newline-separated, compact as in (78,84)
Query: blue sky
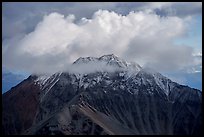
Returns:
(194,35)
(47,37)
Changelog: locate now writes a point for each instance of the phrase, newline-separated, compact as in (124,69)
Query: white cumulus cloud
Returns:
(58,40)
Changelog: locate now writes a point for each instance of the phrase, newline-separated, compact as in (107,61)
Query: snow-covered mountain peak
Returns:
(109,57)
(82,60)
(109,60)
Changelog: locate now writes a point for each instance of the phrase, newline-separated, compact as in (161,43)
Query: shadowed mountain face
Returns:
(129,100)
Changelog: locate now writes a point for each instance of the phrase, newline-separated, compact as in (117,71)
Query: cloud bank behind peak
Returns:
(58,40)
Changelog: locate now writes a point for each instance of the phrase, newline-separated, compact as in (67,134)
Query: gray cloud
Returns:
(22,17)
(91,67)
(180,9)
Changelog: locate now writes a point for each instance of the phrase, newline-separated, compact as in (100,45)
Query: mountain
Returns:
(124,99)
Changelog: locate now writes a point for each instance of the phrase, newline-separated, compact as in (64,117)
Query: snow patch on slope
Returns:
(41,80)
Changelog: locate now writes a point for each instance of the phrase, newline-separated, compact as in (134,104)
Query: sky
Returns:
(47,37)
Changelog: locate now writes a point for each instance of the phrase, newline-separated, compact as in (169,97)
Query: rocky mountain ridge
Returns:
(128,100)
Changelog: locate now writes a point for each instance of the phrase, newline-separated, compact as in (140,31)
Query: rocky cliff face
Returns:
(128,100)
(20,105)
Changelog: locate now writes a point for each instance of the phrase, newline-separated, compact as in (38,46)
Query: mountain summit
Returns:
(108,60)
(130,100)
